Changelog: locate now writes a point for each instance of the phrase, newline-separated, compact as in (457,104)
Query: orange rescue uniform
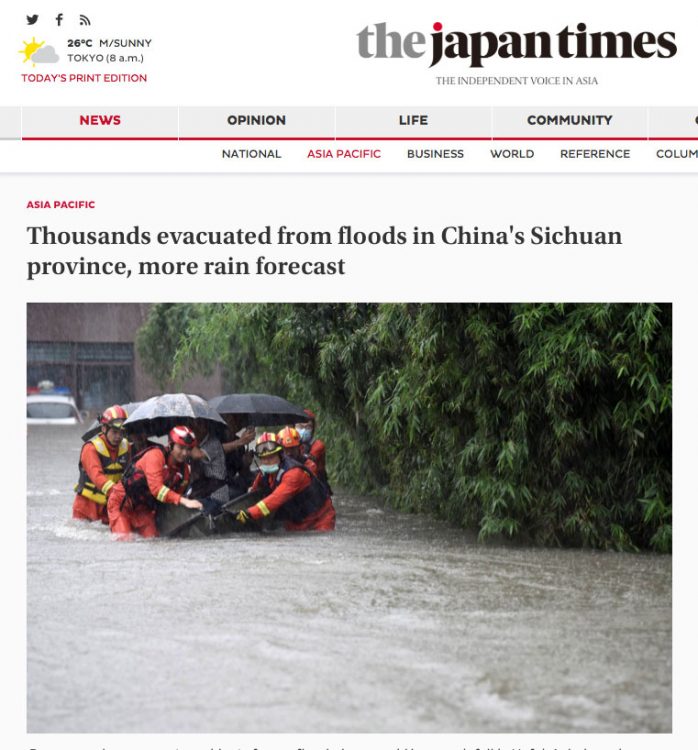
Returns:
(94,456)
(294,481)
(165,480)
(317,452)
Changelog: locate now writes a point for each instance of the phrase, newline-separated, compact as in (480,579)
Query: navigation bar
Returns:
(349,123)
(349,139)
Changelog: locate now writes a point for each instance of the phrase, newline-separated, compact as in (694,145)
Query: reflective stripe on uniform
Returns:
(107,486)
(263,508)
(92,494)
(162,494)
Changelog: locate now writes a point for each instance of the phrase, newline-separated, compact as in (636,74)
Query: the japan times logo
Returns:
(477,47)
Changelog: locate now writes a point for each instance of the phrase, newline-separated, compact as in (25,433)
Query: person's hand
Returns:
(211,506)
(189,503)
(243,517)
(246,438)
(198,455)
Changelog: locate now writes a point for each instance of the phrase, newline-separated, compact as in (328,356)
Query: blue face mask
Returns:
(268,468)
(305,434)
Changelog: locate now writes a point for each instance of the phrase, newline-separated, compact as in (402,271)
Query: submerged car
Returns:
(52,408)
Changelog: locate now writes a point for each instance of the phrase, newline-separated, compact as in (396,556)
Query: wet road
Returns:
(394,623)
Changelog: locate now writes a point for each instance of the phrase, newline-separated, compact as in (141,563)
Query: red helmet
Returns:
(267,445)
(114,416)
(289,437)
(311,415)
(183,436)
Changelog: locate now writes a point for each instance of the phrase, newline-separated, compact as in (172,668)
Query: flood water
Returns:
(393,623)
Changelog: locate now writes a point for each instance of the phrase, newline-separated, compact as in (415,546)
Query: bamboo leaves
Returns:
(546,422)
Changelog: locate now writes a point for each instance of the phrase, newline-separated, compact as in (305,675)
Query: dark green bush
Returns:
(545,422)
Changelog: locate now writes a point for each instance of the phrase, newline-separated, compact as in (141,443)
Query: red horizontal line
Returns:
(414,138)
(96,138)
(256,138)
(436,138)
(570,138)
(358,138)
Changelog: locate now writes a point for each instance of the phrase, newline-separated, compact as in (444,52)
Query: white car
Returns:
(52,408)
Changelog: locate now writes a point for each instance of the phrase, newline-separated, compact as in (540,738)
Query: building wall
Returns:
(114,323)
(85,321)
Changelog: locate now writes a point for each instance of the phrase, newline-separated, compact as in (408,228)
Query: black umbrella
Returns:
(259,408)
(159,414)
(95,427)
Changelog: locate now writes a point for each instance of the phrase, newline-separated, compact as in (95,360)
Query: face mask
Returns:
(268,468)
(305,434)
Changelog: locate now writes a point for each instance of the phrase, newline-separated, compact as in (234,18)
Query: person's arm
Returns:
(240,442)
(153,464)
(311,463)
(292,482)
(317,451)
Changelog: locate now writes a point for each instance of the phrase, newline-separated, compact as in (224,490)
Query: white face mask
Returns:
(268,468)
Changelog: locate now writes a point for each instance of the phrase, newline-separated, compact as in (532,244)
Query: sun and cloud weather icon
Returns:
(38,52)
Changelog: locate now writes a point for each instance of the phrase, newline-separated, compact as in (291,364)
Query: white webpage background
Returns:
(214,53)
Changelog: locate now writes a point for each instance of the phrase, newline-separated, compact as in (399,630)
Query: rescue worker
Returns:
(102,462)
(313,447)
(290,440)
(155,475)
(290,490)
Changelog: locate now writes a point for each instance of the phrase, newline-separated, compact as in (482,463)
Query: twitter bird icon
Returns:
(31,20)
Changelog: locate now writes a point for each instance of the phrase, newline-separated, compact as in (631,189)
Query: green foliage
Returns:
(162,336)
(543,422)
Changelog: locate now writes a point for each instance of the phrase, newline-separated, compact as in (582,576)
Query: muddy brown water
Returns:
(394,623)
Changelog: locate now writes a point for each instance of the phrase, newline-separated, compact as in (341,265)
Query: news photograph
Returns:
(349,518)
